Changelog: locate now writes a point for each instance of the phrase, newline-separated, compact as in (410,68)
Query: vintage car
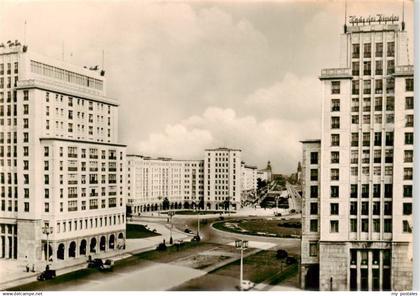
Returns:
(47,274)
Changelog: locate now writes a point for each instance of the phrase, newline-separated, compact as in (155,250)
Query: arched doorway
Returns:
(49,253)
(312,278)
(82,249)
(72,249)
(186,205)
(111,241)
(93,245)
(102,243)
(60,252)
(121,243)
(208,206)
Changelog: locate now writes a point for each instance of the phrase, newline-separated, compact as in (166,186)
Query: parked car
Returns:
(161,247)
(247,285)
(196,238)
(187,230)
(46,275)
(101,264)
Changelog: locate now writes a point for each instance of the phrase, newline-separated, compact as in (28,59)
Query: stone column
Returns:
(358,273)
(370,279)
(6,242)
(381,267)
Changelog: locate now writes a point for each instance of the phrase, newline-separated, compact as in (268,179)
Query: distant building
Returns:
(211,183)
(151,180)
(62,168)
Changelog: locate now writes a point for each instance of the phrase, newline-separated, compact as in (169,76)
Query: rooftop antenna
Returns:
(62,51)
(345,16)
(403,22)
(24,33)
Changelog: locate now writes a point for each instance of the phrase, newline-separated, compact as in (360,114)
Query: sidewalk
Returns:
(12,272)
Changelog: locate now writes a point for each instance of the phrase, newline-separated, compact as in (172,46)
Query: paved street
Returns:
(187,270)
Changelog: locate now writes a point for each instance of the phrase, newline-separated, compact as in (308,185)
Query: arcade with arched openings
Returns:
(84,246)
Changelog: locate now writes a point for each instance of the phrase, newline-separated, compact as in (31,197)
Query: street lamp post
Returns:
(47,230)
(170,214)
(241,245)
(198,222)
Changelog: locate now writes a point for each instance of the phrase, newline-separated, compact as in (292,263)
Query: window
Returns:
(355,69)
(378,118)
(389,156)
(353,190)
(377,156)
(379,49)
(409,103)
(335,87)
(409,120)
(353,208)
(366,139)
(367,50)
(26,206)
(314,191)
(376,190)
(335,174)
(388,190)
(378,139)
(335,191)
(355,89)
(365,208)
(353,225)
(354,139)
(407,208)
(334,226)
(366,118)
(355,119)
(314,208)
(365,190)
(46,207)
(354,171)
(366,68)
(378,104)
(314,175)
(408,173)
(335,140)
(408,155)
(335,157)
(356,51)
(378,68)
(313,225)
(388,208)
(390,49)
(409,139)
(390,67)
(389,138)
(367,87)
(409,84)
(365,225)
(408,190)
(376,208)
(387,225)
(378,86)
(335,105)
(313,249)
(334,209)
(376,225)
(390,83)
(314,157)
(390,104)
(335,122)
(406,227)
(25,109)
(354,156)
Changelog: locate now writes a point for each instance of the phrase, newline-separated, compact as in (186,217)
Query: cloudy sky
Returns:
(194,75)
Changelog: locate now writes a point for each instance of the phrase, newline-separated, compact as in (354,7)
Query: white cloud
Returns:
(216,127)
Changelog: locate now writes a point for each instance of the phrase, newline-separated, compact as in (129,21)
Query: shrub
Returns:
(281,254)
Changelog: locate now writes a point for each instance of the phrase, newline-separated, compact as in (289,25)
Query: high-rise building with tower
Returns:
(62,169)
(364,202)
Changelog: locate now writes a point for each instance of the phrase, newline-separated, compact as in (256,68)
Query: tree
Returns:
(165,203)
(261,184)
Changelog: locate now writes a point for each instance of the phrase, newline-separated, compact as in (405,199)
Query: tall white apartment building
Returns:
(366,161)
(152,180)
(61,167)
(209,184)
(248,177)
(222,178)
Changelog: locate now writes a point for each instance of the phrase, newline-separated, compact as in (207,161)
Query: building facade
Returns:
(213,183)
(310,214)
(62,169)
(152,180)
(367,162)
(248,178)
